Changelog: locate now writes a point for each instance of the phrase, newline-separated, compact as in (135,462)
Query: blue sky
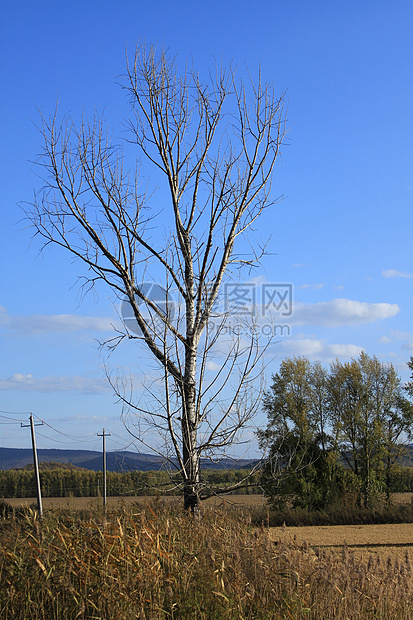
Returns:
(341,235)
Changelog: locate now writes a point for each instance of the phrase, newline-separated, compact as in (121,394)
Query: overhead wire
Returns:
(130,443)
(39,434)
(71,438)
(85,438)
(16,412)
(13,420)
(10,422)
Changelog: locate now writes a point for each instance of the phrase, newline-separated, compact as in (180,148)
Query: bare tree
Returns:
(215,144)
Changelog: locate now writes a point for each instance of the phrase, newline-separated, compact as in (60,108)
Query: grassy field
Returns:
(388,540)
(393,541)
(147,560)
(77,503)
(249,501)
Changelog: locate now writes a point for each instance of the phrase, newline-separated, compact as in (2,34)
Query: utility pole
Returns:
(35,463)
(103,435)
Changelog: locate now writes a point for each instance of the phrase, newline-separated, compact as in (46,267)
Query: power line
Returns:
(77,439)
(132,442)
(71,438)
(65,434)
(65,443)
(14,421)
(9,422)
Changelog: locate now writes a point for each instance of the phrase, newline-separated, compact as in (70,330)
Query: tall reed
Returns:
(155,562)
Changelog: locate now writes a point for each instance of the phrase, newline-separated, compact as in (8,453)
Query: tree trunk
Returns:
(191,473)
(190,452)
(191,494)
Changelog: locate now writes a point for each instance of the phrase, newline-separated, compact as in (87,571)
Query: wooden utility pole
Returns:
(103,435)
(35,463)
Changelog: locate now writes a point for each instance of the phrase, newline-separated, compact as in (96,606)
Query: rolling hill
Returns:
(14,458)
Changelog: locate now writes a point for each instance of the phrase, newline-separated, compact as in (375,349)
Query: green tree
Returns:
(300,464)
(371,418)
(409,385)
(355,413)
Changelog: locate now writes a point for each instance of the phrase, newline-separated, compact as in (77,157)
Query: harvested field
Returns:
(395,540)
(402,498)
(92,502)
(256,501)
(352,535)
(81,503)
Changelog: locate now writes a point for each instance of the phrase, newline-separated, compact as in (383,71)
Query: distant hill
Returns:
(51,465)
(13,458)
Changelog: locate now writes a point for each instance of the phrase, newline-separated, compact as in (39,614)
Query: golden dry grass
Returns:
(352,535)
(393,540)
(79,503)
(152,562)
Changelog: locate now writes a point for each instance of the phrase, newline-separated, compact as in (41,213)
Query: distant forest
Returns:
(59,480)
(71,481)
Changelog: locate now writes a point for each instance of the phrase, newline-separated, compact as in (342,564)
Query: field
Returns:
(388,540)
(112,502)
(247,501)
(147,560)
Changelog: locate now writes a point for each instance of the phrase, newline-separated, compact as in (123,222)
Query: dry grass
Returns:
(154,562)
(80,503)
(402,498)
(251,501)
(393,540)
(353,535)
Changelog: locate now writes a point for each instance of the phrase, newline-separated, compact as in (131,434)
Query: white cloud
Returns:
(385,339)
(314,286)
(58,323)
(396,334)
(305,347)
(212,366)
(318,349)
(257,280)
(393,273)
(339,312)
(29,383)
(408,346)
(343,350)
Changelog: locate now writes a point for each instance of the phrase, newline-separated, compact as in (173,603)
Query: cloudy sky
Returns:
(341,236)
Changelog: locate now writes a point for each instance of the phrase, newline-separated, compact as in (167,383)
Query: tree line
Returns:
(64,482)
(336,434)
